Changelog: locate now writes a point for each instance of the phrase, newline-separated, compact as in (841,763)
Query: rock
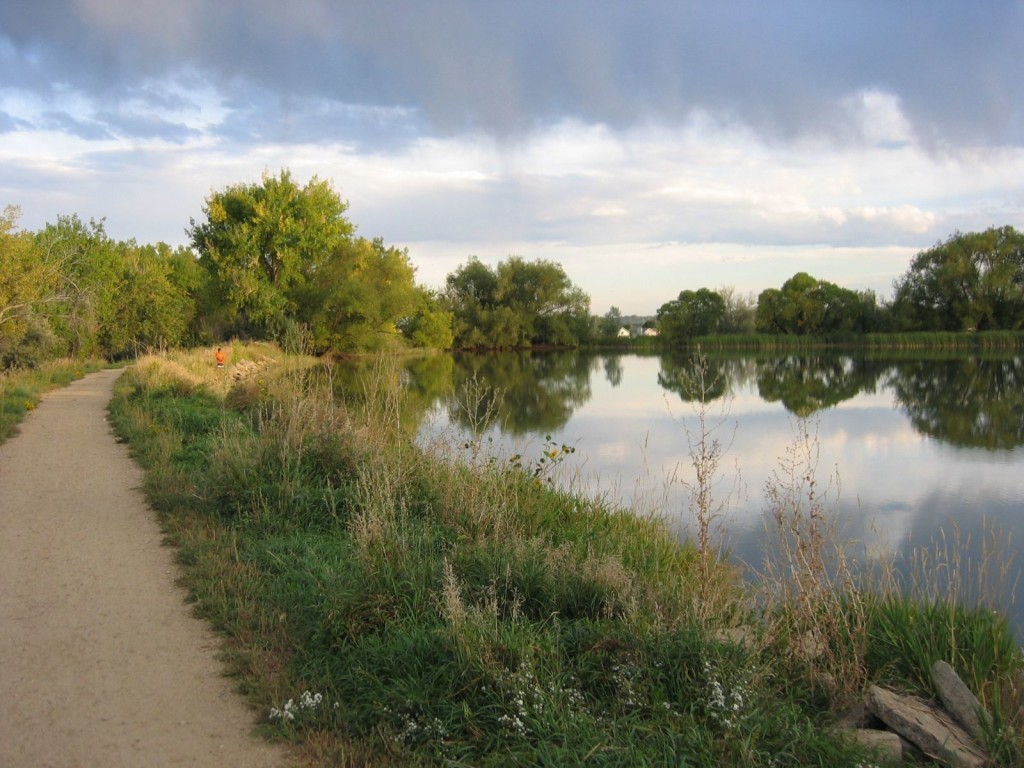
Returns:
(928,727)
(886,744)
(858,716)
(957,698)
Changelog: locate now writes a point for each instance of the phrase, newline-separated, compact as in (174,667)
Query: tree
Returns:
(610,324)
(90,285)
(149,310)
(806,306)
(430,325)
(972,281)
(28,282)
(692,313)
(363,293)
(470,296)
(541,304)
(519,304)
(739,311)
(116,298)
(263,244)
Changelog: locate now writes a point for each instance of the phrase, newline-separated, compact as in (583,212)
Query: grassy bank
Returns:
(22,389)
(936,340)
(386,604)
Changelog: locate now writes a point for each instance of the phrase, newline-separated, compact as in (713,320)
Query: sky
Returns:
(649,147)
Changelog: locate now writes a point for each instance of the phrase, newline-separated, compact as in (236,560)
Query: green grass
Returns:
(452,609)
(930,340)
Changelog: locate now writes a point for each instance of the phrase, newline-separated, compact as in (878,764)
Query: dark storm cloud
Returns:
(503,67)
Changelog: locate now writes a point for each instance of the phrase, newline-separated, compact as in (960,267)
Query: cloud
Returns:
(505,68)
(647,147)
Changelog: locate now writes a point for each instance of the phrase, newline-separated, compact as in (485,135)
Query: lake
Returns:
(908,450)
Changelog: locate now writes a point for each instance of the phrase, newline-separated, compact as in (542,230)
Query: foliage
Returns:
(518,304)
(263,243)
(284,264)
(805,306)
(27,283)
(361,295)
(693,313)
(115,299)
(430,325)
(971,282)
(610,324)
(739,311)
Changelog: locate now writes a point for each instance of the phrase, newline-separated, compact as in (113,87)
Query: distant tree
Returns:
(430,325)
(518,304)
(692,313)
(740,311)
(31,285)
(806,306)
(263,244)
(116,298)
(972,281)
(610,323)
(150,310)
(544,306)
(90,267)
(471,296)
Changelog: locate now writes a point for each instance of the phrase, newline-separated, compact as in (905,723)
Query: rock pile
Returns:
(249,369)
(949,734)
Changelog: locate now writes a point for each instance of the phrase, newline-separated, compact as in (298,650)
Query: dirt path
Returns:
(102,664)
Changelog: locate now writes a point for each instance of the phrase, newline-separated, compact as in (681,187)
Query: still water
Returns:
(907,451)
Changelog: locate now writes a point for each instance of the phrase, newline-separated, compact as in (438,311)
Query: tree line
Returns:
(279,260)
(970,282)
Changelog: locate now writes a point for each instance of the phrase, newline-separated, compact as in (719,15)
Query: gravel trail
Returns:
(102,664)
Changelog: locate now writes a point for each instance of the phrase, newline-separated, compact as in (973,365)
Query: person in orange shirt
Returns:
(220,357)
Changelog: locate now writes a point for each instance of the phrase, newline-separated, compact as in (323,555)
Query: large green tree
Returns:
(115,298)
(263,244)
(805,306)
(518,304)
(971,282)
(471,296)
(692,313)
(31,285)
(149,309)
(363,293)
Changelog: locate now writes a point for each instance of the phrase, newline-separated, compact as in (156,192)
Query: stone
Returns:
(957,698)
(926,726)
(886,744)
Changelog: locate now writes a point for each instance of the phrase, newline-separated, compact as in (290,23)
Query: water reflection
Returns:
(969,401)
(810,383)
(912,449)
(523,392)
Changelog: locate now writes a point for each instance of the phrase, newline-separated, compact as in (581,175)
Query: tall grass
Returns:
(841,622)
(445,605)
(814,604)
(923,340)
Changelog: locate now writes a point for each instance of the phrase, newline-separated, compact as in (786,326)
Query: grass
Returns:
(438,605)
(923,340)
(22,389)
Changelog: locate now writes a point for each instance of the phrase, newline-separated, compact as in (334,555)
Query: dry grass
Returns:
(811,593)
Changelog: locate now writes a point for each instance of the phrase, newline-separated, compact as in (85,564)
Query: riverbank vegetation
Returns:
(387,602)
(278,260)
